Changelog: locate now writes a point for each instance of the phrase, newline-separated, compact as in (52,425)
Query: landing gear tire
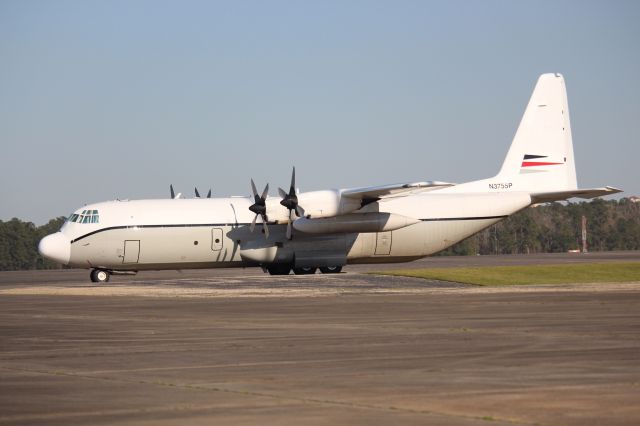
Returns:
(279,269)
(100,276)
(308,270)
(331,269)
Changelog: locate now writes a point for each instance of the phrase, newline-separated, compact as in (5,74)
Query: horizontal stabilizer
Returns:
(546,197)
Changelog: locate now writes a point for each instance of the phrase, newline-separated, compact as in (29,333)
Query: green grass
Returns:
(538,274)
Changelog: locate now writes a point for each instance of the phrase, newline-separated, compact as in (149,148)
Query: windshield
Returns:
(87,216)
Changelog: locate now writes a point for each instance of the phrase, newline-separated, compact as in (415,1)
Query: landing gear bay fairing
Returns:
(327,229)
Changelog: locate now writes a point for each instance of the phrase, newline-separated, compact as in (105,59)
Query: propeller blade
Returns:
(259,207)
(209,193)
(290,226)
(197,193)
(253,188)
(290,200)
(253,224)
(173,194)
(299,211)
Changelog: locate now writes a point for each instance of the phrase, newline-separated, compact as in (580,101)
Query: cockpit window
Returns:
(87,216)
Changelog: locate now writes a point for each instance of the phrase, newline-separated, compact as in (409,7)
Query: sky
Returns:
(118,99)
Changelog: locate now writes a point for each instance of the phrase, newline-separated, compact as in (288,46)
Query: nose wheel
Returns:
(100,276)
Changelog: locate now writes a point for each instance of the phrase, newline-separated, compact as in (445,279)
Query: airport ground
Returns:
(242,347)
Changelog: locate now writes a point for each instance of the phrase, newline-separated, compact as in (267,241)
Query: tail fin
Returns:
(541,154)
(540,160)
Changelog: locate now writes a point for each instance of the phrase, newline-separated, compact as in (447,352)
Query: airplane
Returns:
(327,229)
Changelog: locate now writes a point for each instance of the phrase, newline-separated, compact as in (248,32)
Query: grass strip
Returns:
(529,274)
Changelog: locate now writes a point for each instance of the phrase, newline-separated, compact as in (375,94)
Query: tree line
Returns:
(548,228)
(556,227)
(19,244)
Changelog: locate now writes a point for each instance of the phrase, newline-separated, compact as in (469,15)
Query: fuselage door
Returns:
(216,239)
(131,251)
(383,243)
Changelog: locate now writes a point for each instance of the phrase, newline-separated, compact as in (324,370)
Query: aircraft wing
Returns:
(377,192)
(546,197)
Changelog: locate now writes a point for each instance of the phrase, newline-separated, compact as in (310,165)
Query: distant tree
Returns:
(18,241)
(19,244)
(557,227)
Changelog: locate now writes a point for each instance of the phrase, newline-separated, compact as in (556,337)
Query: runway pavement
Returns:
(241,347)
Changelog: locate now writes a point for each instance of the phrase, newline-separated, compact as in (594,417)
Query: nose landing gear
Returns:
(100,275)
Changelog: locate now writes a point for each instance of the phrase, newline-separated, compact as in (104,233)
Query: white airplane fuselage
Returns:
(208,233)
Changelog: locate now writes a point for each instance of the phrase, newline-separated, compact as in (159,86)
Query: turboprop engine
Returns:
(313,204)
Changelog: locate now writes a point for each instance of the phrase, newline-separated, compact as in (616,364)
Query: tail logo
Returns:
(530,160)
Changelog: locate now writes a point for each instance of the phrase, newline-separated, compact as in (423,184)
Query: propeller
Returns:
(173,194)
(259,207)
(198,194)
(290,201)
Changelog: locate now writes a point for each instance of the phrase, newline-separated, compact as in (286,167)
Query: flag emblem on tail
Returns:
(530,160)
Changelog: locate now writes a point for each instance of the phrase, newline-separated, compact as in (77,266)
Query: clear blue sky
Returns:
(107,99)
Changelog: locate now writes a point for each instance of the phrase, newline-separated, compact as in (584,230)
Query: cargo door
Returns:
(383,243)
(216,239)
(131,251)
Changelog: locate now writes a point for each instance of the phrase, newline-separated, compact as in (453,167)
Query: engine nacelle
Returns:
(354,222)
(326,203)
(316,204)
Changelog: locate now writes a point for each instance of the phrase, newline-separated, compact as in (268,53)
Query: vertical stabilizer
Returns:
(540,160)
(541,154)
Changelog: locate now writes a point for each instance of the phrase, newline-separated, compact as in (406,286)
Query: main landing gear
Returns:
(285,269)
(308,270)
(100,275)
(331,269)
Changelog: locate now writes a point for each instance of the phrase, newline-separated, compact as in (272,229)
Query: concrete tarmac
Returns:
(242,347)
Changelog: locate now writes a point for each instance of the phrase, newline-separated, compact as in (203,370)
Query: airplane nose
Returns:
(56,247)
